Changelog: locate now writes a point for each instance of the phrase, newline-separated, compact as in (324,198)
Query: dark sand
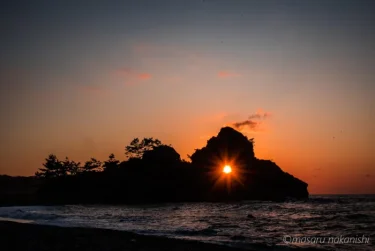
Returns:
(24,236)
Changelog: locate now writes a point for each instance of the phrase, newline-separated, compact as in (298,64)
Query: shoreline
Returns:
(28,236)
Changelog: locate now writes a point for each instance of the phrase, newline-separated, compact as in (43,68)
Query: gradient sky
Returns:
(84,79)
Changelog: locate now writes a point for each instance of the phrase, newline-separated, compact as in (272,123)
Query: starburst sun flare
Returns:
(227,169)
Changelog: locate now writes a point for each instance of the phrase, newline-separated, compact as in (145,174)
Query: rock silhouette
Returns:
(155,173)
(162,155)
(229,144)
(259,179)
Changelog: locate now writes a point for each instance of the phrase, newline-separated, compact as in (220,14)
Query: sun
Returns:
(227,169)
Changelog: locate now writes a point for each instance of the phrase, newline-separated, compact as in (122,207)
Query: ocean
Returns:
(329,222)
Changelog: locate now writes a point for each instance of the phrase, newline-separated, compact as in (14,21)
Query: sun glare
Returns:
(227,169)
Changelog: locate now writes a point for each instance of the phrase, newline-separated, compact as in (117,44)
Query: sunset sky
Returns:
(83,79)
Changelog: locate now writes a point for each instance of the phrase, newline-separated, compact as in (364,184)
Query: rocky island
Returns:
(256,178)
(226,169)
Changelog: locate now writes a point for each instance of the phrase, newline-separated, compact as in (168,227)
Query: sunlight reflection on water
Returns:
(242,224)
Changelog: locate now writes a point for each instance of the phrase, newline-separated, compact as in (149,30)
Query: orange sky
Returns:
(86,83)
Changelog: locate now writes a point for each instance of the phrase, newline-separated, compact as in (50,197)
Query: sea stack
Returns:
(253,178)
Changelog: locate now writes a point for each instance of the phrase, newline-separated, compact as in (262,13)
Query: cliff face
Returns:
(257,179)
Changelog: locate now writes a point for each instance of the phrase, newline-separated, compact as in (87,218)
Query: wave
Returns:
(342,199)
(322,200)
(357,216)
(218,223)
(352,217)
(27,215)
(204,232)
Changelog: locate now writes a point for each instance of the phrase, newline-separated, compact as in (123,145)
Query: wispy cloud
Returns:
(246,123)
(253,122)
(227,74)
(260,114)
(143,76)
(131,76)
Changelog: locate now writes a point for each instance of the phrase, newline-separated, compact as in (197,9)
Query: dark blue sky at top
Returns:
(31,25)
(56,38)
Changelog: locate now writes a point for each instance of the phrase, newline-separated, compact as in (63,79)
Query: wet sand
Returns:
(25,236)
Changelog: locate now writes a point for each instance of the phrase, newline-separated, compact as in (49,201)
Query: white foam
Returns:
(16,220)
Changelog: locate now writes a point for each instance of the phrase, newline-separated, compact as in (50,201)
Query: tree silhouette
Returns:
(111,164)
(70,167)
(52,168)
(75,167)
(155,172)
(92,165)
(137,148)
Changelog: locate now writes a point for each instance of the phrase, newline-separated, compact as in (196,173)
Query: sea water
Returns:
(330,222)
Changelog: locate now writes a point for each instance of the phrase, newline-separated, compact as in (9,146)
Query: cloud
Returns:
(246,123)
(131,76)
(143,76)
(260,114)
(227,74)
(253,122)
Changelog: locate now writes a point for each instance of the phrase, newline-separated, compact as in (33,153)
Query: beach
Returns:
(254,225)
(24,236)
